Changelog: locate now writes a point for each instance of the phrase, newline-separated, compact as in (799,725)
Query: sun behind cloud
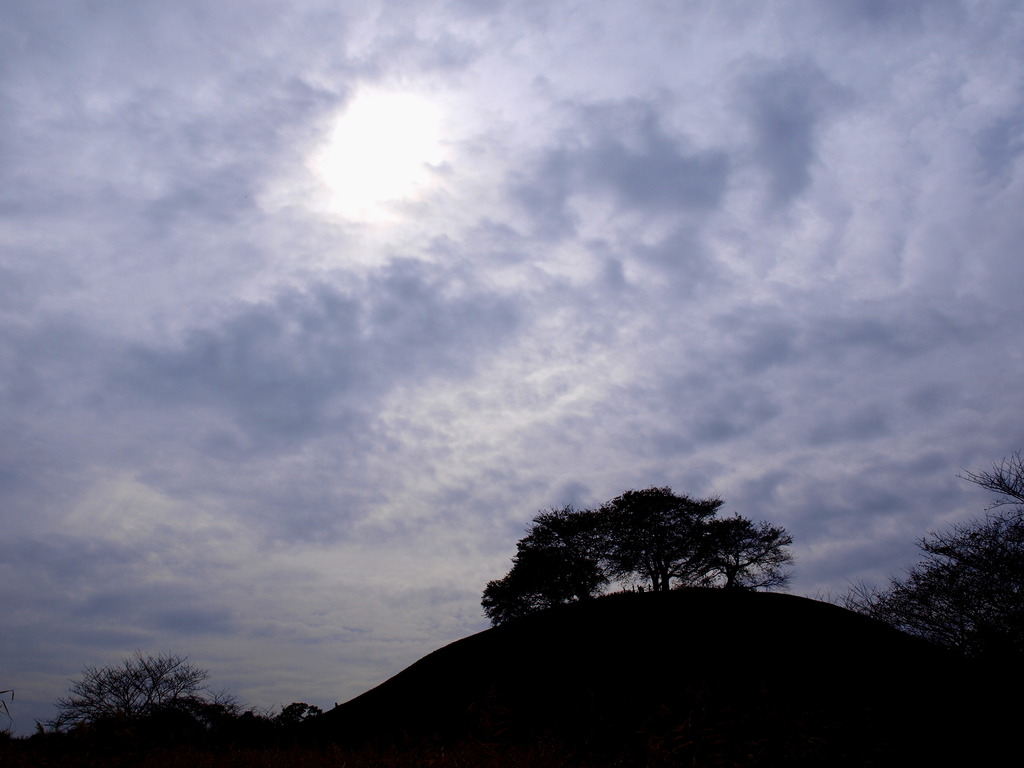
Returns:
(384,147)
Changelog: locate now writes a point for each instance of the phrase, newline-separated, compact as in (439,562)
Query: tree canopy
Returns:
(558,561)
(651,538)
(742,554)
(658,536)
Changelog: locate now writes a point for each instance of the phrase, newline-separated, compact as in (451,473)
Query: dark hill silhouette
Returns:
(701,677)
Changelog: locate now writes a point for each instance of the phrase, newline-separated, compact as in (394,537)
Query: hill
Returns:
(705,677)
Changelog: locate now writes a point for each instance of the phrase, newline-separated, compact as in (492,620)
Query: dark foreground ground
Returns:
(694,678)
(465,756)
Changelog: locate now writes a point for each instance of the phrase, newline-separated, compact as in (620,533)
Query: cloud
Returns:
(623,151)
(786,104)
(999,146)
(897,18)
(294,366)
(770,255)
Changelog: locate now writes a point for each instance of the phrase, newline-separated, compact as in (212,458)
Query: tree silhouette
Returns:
(651,536)
(139,687)
(658,536)
(967,591)
(742,554)
(1006,479)
(3,705)
(296,713)
(558,561)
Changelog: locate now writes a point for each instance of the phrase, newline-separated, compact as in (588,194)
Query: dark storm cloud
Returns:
(279,367)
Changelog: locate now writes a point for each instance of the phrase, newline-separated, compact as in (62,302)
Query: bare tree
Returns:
(966,593)
(1006,479)
(140,686)
(3,706)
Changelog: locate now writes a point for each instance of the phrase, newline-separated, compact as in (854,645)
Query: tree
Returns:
(296,713)
(558,561)
(967,591)
(653,536)
(744,555)
(1006,479)
(141,686)
(570,539)
(3,706)
(658,536)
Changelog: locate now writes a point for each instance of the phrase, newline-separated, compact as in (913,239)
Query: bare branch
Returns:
(965,593)
(136,688)
(1005,479)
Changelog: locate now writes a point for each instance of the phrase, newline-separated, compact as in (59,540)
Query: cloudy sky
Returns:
(308,308)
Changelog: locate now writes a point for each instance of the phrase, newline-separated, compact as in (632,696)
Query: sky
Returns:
(306,309)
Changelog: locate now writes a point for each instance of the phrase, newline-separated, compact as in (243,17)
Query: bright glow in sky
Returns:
(303,319)
(381,149)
